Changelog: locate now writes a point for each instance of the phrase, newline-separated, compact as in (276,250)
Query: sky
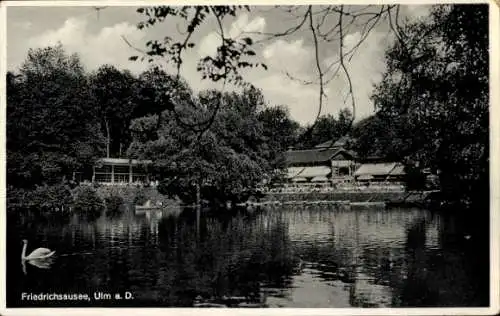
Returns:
(97,37)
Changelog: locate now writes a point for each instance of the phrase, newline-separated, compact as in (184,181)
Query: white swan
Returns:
(37,254)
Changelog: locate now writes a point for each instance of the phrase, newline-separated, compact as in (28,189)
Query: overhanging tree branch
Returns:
(219,67)
(318,65)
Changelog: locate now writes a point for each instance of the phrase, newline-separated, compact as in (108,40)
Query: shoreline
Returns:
(352,196)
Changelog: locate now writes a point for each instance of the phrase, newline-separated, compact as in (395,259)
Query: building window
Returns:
(344,171)
(103,177)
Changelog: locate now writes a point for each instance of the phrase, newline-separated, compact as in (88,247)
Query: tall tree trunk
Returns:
(198,207)
(108,138)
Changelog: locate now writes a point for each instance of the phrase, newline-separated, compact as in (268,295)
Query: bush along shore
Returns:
(84,199)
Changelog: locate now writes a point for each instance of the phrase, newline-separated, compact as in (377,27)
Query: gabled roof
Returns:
(316,155)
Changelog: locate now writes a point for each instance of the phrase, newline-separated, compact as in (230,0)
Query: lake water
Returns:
(282,257)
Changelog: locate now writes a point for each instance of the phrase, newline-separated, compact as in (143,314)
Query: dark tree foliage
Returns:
(280,131)
(434,100)
(114,94)
(225,161)
(158,91)
(376,137)
(415,179)
(326,128)
(52,126)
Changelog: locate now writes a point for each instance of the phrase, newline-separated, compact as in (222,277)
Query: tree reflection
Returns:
(437,277)
(233,257)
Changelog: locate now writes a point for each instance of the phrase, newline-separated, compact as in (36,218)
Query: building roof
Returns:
(298,179)
(380,169)
(319,179)
(365,177)
(315,155)
(308,172)
(399,170)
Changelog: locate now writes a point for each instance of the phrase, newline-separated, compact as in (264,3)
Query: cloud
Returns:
(302,101)
(209,44)
(95,49)
(297,59)
(289,63)
(417,12)
(365,69)
(208,47)
(25,25)
(243,25)
(292,56)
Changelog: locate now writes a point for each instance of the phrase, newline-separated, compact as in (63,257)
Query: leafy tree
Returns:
(415,178)
(158,91)
(280,131)
(323,129)
(382,137)
(224,161)
(437,87)
(114,93)
(52,127)
(237,123)
(344,122)
(327,128)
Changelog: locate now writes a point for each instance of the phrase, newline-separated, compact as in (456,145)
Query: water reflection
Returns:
(283,257)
